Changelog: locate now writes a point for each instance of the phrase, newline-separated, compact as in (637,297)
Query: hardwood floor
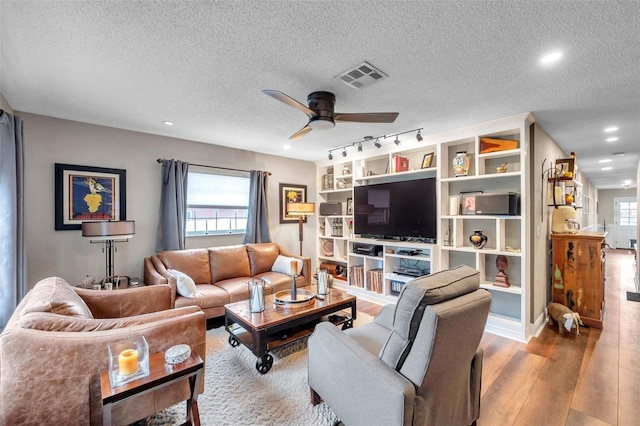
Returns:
(590,379)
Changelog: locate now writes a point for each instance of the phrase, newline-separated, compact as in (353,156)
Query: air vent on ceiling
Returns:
(362,75)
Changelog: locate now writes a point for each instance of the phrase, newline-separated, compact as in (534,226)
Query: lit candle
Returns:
(294,267)
(128,361)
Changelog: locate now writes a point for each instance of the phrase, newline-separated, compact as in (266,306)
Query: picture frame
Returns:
(88,194)
(290,192)
(565,168)
(427,160)
(349,206)
(469,202)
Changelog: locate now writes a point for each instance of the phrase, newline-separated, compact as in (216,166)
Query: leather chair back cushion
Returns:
(55,295)
(193,262)
(262,256)
(412,302)
(228,262)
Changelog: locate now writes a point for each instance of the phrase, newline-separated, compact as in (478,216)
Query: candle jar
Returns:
(256,295)
(128,361)
(323,282)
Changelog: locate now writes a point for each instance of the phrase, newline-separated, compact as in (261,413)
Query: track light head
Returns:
(419,137)
(397,141)
(377,143)
(330,156)
(344,152)
(359,146)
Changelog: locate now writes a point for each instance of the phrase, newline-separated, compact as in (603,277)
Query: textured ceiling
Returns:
(203,64)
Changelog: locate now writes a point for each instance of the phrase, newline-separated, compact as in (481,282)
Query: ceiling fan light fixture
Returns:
(321,123)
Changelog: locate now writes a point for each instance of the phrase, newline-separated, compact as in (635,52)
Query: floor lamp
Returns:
(109,233)
(302,210)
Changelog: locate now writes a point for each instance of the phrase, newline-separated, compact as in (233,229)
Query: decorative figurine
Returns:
(501,279)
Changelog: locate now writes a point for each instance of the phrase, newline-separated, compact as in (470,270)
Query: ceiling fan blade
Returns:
(300,133)
(275,94)
(366,117)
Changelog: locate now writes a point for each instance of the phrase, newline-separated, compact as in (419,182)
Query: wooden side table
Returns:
(160,375)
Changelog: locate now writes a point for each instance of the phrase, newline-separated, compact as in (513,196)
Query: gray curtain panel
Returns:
(258,217)
(173,206)
(13,261)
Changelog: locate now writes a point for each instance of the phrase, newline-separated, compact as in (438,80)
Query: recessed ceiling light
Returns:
(611,139)
(168,123)
(611,129)
(606,168)
(286,147)
(551,57)
(606,160)
(618,154)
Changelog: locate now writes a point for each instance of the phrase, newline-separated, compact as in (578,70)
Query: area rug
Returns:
(236,394)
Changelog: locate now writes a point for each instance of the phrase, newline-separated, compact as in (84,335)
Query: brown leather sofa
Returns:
(221,273)
(55,345)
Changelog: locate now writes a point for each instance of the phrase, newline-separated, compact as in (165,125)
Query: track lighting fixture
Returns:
(344,152)
(330,156)
(397,141)
(419,137)
(377,143)
(375,140)
(359,146)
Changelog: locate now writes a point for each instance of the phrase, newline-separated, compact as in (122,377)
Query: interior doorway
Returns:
(625,222)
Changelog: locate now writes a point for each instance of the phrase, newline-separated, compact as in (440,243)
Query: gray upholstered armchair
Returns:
(417,363)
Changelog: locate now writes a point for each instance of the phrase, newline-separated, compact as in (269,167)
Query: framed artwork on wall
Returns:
(87,193)
(291,193)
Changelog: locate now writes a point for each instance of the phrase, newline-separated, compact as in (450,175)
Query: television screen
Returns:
(404,209)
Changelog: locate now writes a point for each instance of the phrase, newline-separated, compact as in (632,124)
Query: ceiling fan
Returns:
(321,115)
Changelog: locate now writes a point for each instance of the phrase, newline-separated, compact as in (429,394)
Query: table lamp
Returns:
(109,233)
(302,210)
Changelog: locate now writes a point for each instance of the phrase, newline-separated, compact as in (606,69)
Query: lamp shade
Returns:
(109,230)
(300,209)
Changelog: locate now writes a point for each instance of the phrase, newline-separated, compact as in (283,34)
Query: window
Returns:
(217,203)
(628,213)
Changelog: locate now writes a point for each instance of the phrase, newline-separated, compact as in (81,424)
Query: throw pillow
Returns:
(186,285)
(55,295)
(283,265)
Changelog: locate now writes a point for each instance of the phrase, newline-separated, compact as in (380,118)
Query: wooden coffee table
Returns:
(278,325)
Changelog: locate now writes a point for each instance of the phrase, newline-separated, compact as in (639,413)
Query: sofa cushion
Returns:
(262,256)
(194,262)
(55,295)
(228,262)
(283,265)
(416,295)
(207,297)
(185,285)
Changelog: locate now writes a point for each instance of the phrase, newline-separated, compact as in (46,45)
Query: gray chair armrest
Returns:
(385,316)
(339,366)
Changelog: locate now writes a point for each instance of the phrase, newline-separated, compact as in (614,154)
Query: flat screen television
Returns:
(396,210)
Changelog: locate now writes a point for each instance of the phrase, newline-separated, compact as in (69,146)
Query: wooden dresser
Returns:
(577,274)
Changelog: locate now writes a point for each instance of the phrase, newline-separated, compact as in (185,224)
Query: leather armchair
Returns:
(417,363)
(55,345)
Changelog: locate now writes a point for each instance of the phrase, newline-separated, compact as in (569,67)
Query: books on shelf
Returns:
(396,286)
(376,280)
(400,164)
(356,276)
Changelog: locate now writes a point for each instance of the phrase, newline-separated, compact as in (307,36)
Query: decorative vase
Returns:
(461,163)
(478,239)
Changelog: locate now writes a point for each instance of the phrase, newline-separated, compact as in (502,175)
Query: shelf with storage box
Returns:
(379,278)
(491,198)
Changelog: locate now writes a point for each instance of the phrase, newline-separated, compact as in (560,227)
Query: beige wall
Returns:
(69,255)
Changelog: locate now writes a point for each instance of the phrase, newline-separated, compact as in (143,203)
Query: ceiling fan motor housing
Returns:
(322,104)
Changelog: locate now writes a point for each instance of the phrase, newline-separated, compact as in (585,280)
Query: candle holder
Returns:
(128,361)
(256,295)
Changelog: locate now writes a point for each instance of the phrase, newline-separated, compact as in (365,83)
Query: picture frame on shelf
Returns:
(349,209)
(427,160)
(291,193)
(469,202)
(565,167)
(88,193)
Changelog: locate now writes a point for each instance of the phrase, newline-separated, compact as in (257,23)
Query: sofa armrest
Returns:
(151,274)
(385,316)
(69,363)
(306,264)
(338,363)
(126,302)
(162,276)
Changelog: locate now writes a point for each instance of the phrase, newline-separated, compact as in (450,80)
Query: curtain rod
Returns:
(160,160)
